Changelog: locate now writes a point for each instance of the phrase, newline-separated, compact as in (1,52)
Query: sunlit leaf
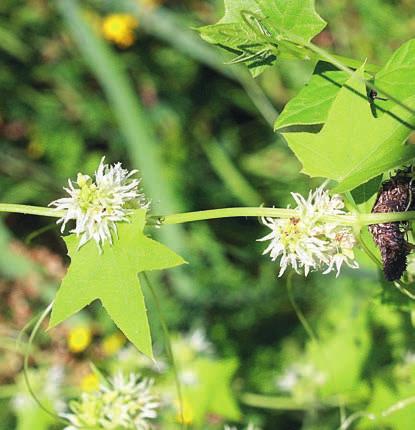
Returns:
(112,278)
(296,18)
(211,392)
(312,104)
(353,145)
(257,31)
(397,77)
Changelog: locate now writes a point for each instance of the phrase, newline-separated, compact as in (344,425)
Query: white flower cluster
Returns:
(122,404)
(305,242)
(198,341)
(305,375)
(97,205)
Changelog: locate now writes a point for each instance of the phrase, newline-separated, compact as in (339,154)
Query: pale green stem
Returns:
(30,210)
(298,311)
(355,64)
(180,218)
(287,403)
(27,355)
(246,212)
(169,348)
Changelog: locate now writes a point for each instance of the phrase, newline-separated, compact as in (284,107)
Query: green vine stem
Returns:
(352,63)
(30,210)
(355,219)
(169,348)
(27,355)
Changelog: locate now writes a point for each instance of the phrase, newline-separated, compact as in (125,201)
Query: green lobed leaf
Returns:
(292,18)
(112,278)
(385,395)
(343,347)
(312,104)
(365,194)
(212,393)
(397,77)
(354,146)
(257,30)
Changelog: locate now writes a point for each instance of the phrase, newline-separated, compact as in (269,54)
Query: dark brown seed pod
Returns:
(395,195)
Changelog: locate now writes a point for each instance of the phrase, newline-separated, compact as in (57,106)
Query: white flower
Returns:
(305,242)
(189,377)
(125,403)
(97,205)
(305,375)
(199,342)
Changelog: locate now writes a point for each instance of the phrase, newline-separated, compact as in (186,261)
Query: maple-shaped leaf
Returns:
(295,19)
(256,30)
(312,104)
(211,392)
(354,145)
(112,277)
(397,76)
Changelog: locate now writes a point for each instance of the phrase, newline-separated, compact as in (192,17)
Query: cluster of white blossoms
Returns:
(303,375)
(124,403)
(97,205)
(306,242)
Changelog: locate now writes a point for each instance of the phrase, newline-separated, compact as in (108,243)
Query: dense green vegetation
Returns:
(283,353)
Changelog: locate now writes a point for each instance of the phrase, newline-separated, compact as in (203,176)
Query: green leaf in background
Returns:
(292,18)
(112,278)
(312,104)
(12,264)
(10,43)
(255,30)
(354,146)
(365,194)
(383,398)
(342,348)
(397,77)
(212,392)
(33,417)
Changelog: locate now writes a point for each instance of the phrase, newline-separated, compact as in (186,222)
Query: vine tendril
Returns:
(169,349)
(27,355)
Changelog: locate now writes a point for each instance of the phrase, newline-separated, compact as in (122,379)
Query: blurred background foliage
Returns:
(131,80)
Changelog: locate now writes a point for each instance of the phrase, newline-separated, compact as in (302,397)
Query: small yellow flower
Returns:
(35,149)
(113,343)
(186,416)
(79,339)
(90,383)
(119,29)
